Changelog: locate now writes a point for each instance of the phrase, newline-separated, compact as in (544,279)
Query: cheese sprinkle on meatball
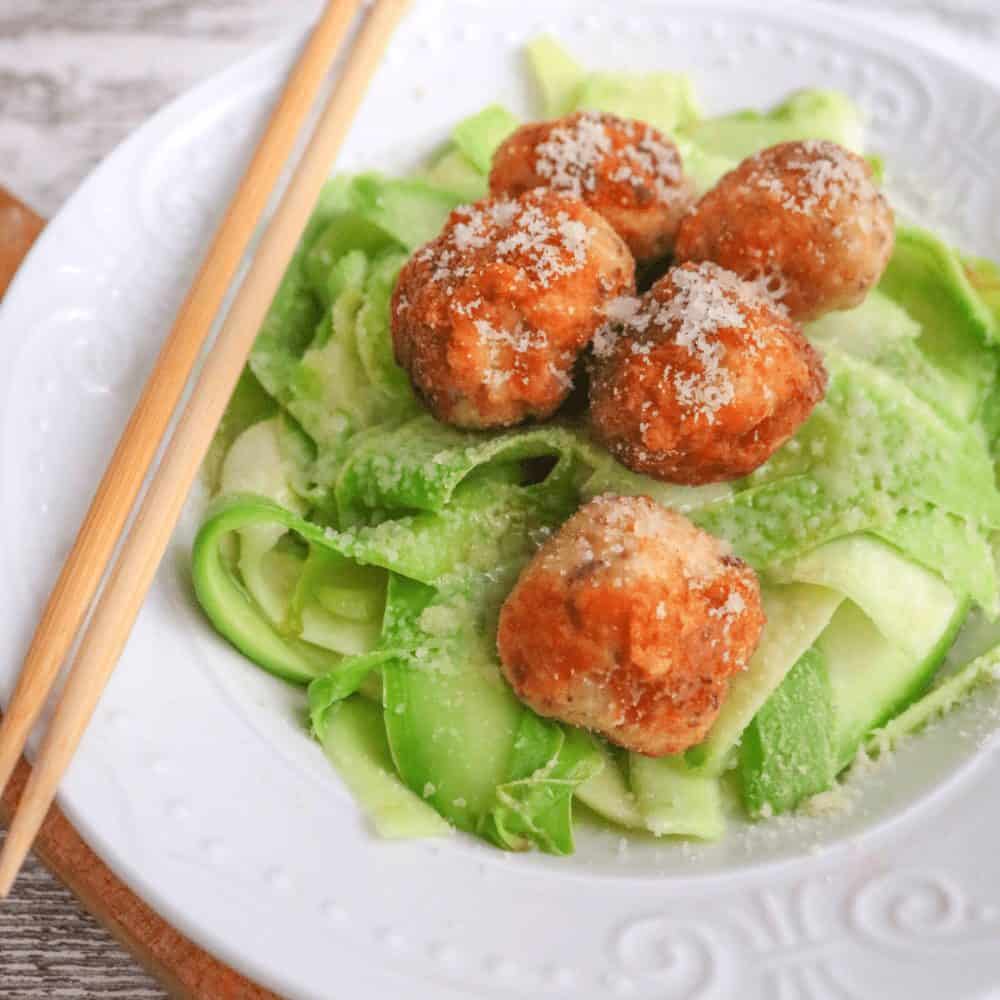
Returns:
(630,622)
(701,379)
(489,318)
(804,219)
(626,170)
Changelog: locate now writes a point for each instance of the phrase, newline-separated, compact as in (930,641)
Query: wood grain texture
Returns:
(77,76)
(53,947)
(49,946)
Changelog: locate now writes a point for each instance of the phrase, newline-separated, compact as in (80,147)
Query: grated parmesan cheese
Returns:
(569,157)
(590,148)
(813,172)
(521,232)
(705,300)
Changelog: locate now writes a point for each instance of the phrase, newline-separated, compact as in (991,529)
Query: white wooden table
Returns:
(76,76)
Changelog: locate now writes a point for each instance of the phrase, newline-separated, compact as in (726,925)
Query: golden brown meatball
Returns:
(489,318)
(629,621)
(804,218)
(624,169)
(702,379)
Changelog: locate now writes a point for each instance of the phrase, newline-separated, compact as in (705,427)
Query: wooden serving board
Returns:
(184,969)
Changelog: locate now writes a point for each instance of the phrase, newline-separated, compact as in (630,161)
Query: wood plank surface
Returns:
(77,76)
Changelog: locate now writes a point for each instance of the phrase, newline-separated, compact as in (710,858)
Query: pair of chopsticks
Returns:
(140,554)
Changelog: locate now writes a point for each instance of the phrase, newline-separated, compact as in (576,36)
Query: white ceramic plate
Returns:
(196,781)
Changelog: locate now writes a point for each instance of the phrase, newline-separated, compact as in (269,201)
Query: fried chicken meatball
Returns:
(702,379)
(803,218)
(624,169)
(489,318)
(629,621)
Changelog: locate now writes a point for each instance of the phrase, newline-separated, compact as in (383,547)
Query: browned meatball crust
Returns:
(803,218)
(626,170)
(489,318)
(702,379)
(629,622)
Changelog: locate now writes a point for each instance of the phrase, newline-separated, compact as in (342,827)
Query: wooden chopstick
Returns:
(147,540)
(117,492)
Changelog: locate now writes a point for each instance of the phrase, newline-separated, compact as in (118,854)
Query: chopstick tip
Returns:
(15,849)
(9,868)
